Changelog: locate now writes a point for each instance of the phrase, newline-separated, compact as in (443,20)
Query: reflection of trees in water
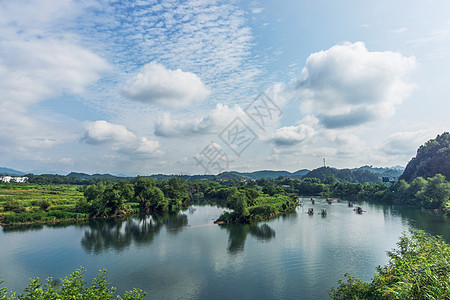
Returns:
(37,227)
(238,234)
(106,234)
(423,219)
(22,228)
(176,223)
(118,234)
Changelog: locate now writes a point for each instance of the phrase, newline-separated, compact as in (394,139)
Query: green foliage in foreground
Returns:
(418,269)
(72,287)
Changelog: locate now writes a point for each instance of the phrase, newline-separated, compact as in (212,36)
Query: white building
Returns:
(5,178)
(20,179)
(13,179)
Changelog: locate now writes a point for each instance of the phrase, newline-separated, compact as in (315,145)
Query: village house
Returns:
(13,179)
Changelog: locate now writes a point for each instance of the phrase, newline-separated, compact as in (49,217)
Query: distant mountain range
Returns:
(377,173)
(10,172)
(395,171)
(262,174)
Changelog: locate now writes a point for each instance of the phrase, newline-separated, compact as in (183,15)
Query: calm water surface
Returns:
(296,256)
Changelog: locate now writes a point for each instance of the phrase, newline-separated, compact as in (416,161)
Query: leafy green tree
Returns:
(94,192)
(415,191)
(269,190)
(251,195)
(437,192)
(237,201)
(148,195)
(176,188)
(112,199)
(72,287)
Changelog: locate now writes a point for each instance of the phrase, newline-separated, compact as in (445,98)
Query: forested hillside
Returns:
(432,158)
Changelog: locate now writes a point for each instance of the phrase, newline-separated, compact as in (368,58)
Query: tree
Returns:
(148,195)
(437,192)
(72,287)
(251,195)
(94,191)
(237,201)
(112,199)
(415,191)
(176,188)
(269,190)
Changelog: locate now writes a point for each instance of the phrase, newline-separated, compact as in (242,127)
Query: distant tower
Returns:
(324,165)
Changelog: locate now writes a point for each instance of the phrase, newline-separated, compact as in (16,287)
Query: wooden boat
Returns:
(323,212)
(310,211)
(350,204)
(329,200)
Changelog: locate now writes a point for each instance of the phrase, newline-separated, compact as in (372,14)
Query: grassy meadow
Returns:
(27,203)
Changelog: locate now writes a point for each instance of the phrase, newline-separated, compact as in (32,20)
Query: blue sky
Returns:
(143,87)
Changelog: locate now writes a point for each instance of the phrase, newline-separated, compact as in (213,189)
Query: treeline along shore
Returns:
(248,200)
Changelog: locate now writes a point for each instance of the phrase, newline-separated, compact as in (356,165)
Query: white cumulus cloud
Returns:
(119,138)
(291,135)
(213,122)
(347,85)
(168,127)
(103,132)
(174,88)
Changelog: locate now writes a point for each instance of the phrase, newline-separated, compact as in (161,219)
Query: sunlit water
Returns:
(296,256)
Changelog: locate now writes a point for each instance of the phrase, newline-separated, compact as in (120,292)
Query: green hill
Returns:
(432,158)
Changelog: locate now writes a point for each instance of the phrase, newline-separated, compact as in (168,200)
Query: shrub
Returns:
(72,287)
(23,217)
(62,215)
(14,206)
(261,211)
(418,269)
(44,205)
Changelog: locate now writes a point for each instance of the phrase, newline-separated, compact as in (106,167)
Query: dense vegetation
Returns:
(250,200)
(432,158)
(418,269)
(71,287)
(250,205)
(432,193)
(30,203)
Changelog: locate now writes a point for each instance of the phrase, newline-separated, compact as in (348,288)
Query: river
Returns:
(186,256)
